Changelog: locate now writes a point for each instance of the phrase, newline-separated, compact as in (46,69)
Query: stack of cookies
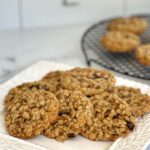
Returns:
(81,101)
(124,36)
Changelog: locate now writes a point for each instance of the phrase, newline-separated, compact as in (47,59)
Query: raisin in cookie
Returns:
(142,54)
(120,42)
(75,111)
(139,103)
(29,109)
(132,24)
(112,119)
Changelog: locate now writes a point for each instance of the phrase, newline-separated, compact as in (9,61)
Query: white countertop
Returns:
(19,49)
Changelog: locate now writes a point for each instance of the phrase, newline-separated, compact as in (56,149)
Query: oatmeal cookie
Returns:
(29,109)
(75,83)
(132,24)
(120,42)
(139,103)
(142,54)
(75,111)
(112,119)
(99,76)
(89,92)
(91,73)
(30,86)
(53,79)
(80,78)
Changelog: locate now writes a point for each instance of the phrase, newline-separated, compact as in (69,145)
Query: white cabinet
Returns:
(9,14)
(37,13)
(42,13)
(138,6)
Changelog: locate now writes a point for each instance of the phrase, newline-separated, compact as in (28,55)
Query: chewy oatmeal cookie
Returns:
(120,42)
(75,111)
(29,109)
(112,119)
(76,83)
(80,78)
(132,24)
(89,92)
(99,78)
(139,103)
(142,54)
(30,86)
(91,73)
(53,79)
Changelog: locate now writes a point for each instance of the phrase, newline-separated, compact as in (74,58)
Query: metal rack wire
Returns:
(122,63)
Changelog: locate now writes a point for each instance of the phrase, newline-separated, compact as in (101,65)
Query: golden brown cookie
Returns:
(31,86)
(120,42)
(75,111)
(112,119)
(79,78)
(53,79)
(29,109)
(139,103)
(100,78)
(142,54)
(89,92)
(132,24)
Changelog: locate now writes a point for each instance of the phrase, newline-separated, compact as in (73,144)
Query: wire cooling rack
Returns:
(122,63)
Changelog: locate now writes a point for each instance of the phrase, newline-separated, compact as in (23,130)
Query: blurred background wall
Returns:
(20,14)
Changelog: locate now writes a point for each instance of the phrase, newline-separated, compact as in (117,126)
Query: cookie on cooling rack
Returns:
(134,25)
(120,42)
(29,109)
(75,111)
(142,54)
(112,119)
(139,103)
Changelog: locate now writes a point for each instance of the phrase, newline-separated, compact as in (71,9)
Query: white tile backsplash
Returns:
(9,14)
(40,13)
